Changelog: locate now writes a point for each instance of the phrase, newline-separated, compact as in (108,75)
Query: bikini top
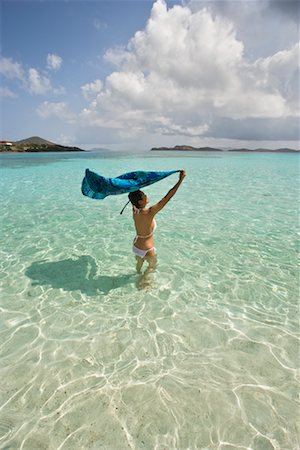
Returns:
(148,235)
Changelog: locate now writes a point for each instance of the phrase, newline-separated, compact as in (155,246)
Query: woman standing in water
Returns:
(145,224)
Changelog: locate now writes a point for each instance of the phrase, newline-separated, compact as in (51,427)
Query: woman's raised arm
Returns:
(162,203)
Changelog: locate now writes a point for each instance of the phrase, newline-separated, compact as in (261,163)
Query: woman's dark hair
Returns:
(134,198)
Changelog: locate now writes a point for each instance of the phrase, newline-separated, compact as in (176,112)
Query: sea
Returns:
(202,353)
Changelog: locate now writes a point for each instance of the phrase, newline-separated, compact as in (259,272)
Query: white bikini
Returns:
(137,251)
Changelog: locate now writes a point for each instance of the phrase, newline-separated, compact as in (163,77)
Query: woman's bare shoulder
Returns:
(150,211)
(143,215)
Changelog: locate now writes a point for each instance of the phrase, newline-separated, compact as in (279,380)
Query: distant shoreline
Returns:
(46,149)
(19,152)
(35,144)
(184,148)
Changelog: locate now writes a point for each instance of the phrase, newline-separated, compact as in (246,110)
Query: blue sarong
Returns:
(98,187)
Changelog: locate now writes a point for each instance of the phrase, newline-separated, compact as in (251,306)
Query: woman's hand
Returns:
(162,203)
(182,175)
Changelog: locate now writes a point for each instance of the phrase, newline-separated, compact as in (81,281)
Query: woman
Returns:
(145,225)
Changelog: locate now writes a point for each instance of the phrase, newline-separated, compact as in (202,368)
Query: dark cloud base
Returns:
(256,129)
(290,8)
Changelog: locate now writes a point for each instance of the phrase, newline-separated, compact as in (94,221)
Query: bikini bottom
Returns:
(142,253)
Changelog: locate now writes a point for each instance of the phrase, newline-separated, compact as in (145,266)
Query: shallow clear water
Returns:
(201,354)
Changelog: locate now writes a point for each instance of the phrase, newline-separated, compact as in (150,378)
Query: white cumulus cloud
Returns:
(59,110)
(54,61)
(31,79)
(11,69)
(37,83)
(90,90)
(184,70)
(281,73)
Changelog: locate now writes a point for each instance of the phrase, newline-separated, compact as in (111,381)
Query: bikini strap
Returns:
(135,209)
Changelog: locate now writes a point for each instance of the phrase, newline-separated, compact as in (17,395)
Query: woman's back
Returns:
(145,223)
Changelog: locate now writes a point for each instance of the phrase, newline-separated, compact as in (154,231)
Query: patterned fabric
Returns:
(98,187)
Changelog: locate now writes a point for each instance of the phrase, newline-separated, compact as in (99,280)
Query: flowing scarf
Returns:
(98,187)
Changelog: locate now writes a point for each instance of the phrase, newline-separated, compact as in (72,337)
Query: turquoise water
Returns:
(201,354)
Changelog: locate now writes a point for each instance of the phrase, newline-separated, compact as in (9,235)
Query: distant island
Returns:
(188,148)
(35,144)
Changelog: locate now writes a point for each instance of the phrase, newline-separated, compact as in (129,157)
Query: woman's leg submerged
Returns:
(139,263)
(152,262)
(145,281)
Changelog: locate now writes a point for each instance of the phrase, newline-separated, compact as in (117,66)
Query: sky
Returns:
(132,75)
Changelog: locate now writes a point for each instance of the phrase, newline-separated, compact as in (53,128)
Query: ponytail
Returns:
(134,198)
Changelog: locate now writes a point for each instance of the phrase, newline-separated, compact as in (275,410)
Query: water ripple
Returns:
(201,354)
